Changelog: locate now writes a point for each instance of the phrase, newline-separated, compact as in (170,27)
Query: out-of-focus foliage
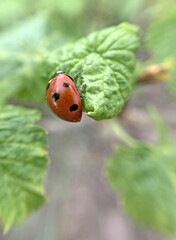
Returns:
(145,177)
(19,53)
(161,35)
(22,164)
(8,83)
(63,15)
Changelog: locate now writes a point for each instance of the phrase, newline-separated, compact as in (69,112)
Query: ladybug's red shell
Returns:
(63,97)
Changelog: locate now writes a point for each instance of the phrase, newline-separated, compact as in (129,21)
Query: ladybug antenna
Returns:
(77,76)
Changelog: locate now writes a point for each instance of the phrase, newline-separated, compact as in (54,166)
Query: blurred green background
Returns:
(81,204)
(32,30)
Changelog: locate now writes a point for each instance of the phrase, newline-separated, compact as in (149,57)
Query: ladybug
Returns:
(63,97)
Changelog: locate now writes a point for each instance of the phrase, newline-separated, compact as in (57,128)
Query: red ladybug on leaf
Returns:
(63,97)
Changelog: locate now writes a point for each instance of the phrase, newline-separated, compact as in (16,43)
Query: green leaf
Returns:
(106,62)
(145,176)
(22,164)
(8,84)
(146,179)
(24,38)
(18,53)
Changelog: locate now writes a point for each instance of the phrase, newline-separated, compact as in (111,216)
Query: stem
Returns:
(120,133)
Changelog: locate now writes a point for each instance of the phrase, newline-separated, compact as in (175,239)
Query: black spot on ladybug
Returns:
(55,97)
(56,74)
(74,107)
(48,85)
(66,84)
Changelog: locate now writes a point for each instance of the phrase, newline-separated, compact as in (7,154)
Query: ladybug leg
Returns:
(82,87)
(77,76)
